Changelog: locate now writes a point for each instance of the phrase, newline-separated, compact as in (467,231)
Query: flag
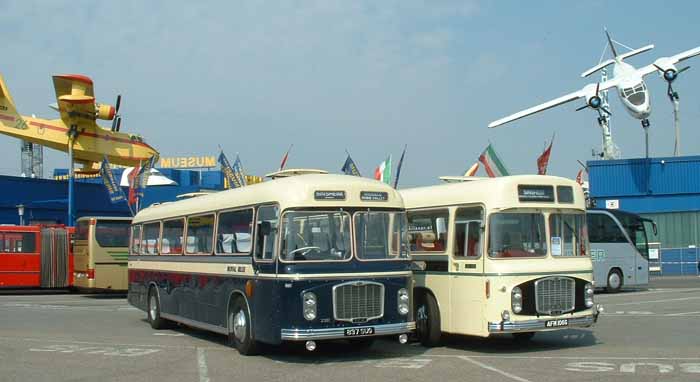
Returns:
(234,174)
(142,177)
(350,168)
(398,168)
(543,160)
(116,194)
(579,177)
(472,170)
(492,164)
(133,175)
(284,159)
(383,172)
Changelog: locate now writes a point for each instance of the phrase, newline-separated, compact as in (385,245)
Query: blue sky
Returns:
(367,76)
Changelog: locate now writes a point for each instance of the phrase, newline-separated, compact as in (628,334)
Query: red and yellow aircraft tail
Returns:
(9,118)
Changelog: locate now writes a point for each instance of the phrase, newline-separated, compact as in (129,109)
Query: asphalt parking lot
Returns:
(644,335)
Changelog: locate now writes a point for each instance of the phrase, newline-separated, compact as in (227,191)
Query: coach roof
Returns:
(295,191)
(500,192)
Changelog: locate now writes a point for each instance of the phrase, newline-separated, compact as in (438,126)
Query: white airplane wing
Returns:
(587,90)
(666,62)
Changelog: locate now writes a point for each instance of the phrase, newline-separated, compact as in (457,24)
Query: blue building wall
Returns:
(667,190)
(46,200)
(652,185)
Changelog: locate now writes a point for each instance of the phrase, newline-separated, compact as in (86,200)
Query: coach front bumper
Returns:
(338,333)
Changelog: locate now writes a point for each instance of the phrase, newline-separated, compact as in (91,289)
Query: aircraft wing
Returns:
(666,62)
(76,99)
(588,90)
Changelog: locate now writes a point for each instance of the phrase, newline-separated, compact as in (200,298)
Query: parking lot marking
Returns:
(651,291)
(104,350)
(202,364)
(404,363)
(682,314)
(491,368)
(653,301)
(169,334)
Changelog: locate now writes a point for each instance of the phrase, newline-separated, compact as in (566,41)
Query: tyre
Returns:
(614,281)
(523,337)
(154,311)
(240,335)
(428,321)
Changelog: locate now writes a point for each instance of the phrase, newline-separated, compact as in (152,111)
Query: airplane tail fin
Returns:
(8,112)
(617,57)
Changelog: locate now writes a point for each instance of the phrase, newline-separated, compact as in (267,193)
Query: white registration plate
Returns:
(352,332)
(556,323)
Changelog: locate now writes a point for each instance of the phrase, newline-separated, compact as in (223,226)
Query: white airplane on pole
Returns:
(629,82)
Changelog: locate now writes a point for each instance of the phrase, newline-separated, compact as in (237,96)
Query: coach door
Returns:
(466,269)
(54,258)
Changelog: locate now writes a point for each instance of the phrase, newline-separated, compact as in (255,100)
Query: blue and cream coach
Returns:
(300,258)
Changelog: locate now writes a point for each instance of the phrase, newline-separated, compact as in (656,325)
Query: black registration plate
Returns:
(556,323)
(352,332)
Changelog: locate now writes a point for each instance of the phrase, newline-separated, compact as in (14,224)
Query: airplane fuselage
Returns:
(632,90)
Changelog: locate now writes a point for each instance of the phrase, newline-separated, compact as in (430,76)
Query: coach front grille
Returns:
(358,301)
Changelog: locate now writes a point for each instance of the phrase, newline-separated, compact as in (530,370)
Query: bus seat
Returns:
(427,240)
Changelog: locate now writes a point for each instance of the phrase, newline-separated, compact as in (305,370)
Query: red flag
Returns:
(132,184)
(543,160)
(579,177)
(284,159)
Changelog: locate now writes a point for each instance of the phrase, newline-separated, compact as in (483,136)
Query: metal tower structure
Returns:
(32,158)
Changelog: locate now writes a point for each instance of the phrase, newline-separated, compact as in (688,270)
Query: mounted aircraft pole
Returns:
(72,134)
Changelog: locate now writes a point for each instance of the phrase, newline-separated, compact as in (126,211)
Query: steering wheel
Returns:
(305,249)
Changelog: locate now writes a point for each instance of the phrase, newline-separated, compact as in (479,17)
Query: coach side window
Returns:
(151,236)
(267,225)
(135,240)
(427,230)
(200,234)
(172,237)
(234,232)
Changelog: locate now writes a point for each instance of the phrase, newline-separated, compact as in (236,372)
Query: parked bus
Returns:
(35,257)
(499,255)
(101,253)
(302,258)
(619,248)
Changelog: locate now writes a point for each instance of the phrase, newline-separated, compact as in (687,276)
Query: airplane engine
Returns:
(104,111)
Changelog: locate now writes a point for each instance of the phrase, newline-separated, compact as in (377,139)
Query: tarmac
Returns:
(643,335)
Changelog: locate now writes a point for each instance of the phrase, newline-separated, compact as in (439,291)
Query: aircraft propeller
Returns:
(670,75)
(595,102)
(117,121)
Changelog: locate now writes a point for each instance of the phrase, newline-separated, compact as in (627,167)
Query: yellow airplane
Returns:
(77,129)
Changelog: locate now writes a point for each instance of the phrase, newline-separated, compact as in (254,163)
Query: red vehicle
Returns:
(36,256)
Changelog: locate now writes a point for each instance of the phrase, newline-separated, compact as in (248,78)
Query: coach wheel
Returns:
(614,281)
(428,321)
(240,335)
(523,337)
(154,311)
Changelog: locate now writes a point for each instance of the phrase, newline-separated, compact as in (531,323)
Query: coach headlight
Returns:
(588,295)
(403,301)
(516,300)
(309,306)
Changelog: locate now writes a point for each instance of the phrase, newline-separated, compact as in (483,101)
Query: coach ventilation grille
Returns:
(555,295)
(358,301)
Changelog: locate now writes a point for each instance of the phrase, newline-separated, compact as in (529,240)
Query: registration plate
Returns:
(359,332)
(556,323)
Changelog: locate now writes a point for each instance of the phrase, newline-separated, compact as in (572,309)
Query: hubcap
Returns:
(614,281)
(152,307)
(240,326)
